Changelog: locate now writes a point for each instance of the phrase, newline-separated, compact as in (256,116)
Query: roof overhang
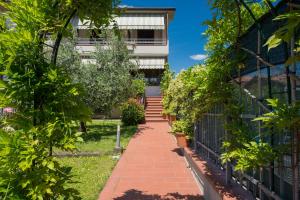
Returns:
(150,63)
(170,11)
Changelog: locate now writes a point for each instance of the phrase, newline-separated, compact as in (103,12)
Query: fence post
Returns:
(196,136)
(228,165)
(118,147)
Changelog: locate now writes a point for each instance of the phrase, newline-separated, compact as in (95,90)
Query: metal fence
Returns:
(210,132)
(257,82)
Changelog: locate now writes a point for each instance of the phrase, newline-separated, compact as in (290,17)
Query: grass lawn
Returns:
(101,136)
(91,173)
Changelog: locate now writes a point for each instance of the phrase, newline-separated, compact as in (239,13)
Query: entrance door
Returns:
(153,91)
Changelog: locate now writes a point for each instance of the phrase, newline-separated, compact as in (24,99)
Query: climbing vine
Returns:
(198,89)
(45,100)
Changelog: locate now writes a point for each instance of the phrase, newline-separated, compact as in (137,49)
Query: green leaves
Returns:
(286,32)
(108,81)
(273,41)
(46,100)
(252,155)
(168,75)
(283,116)
(26,166)
(133,113)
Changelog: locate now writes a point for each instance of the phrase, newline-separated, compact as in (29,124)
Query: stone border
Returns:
(212,180)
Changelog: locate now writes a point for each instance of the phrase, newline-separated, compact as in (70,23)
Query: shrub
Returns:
(27,171)
(138,87)
(167,77)
(181,126)
(178,127)
(133,113)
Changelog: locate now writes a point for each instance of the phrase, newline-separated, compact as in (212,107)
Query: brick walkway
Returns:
(151,169)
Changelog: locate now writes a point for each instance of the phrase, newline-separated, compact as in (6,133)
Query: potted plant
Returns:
(178,131)
(164,114)
(172,117)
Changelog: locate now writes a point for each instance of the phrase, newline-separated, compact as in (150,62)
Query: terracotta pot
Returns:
(189,142)
(181,140)
(172,119)
(164,116)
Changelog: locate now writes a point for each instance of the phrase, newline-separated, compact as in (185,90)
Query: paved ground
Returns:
(151,169)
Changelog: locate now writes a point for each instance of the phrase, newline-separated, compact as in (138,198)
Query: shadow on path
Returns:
(178,151)
(139,195)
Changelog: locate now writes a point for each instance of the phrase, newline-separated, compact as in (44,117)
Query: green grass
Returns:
(101,136)
(91,173)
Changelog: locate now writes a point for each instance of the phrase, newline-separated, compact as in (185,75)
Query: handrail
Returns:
(133,41)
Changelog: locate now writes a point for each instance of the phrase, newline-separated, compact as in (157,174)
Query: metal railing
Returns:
(137,41)
(210,132)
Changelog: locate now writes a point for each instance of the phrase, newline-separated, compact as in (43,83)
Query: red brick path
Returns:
(151,169)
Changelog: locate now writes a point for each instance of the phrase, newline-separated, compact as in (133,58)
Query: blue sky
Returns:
(185,32)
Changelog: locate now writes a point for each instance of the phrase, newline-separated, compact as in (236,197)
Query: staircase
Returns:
(154,109)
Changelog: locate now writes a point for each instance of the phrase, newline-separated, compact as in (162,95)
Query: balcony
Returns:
(100,41)
(139,47)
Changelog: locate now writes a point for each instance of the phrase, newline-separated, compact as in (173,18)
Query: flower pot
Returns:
(181,140)
(189,142)
(164,116)
(172,119)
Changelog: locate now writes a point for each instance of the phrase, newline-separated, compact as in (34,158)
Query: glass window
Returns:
(279,82)
(145,34)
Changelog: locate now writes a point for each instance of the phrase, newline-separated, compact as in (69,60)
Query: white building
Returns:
(145,30)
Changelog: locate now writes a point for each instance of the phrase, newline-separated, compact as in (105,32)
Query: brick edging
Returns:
(212,180)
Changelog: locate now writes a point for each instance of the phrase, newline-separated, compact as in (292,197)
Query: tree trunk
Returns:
(59,38)
(82,127)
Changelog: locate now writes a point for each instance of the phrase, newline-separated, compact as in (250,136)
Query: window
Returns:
(145,34)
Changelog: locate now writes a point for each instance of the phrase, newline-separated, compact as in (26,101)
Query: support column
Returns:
(295,138)
(259,89)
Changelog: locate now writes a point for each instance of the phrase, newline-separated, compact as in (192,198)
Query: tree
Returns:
(168,75)
(46,101)
(108,77)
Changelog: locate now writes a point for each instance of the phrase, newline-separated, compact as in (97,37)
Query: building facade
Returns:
(145,31)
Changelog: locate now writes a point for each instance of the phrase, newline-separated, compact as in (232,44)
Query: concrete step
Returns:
(153,112)
(153,115)
(156,99)
(153,103)
(155,119)
(153,99)
(154,106)
(154,109)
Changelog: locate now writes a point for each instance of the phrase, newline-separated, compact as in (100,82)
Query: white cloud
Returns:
(125,6)
(198,57)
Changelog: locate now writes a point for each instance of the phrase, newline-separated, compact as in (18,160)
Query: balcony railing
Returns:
(101,41)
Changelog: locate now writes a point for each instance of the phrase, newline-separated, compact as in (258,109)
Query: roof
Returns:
(170,10)
(152,8)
